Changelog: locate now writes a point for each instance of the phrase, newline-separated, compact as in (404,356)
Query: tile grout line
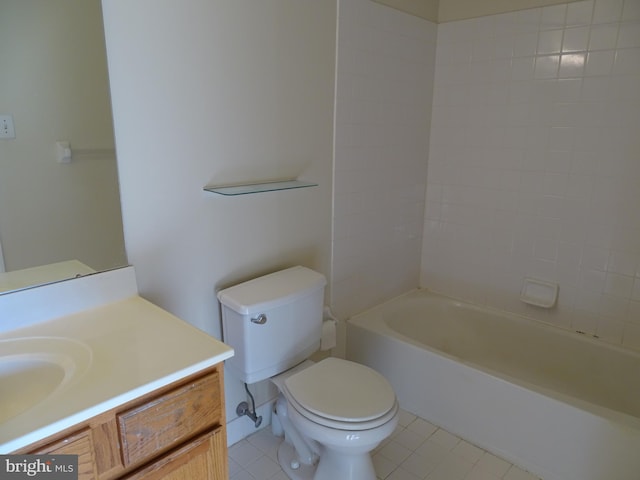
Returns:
(416,450)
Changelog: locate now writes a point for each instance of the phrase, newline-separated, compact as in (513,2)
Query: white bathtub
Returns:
(559,404)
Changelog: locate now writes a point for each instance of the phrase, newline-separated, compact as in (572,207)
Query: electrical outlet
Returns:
(6,127)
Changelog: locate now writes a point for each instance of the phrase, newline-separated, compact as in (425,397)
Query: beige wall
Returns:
(53,80)
(207,91)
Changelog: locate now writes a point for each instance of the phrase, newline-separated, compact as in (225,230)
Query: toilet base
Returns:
(332,465)
(286,456)
(335,464)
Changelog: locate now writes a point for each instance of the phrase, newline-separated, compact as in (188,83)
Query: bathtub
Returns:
(557,403)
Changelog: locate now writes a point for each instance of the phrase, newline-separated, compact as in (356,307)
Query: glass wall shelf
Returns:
(258,187)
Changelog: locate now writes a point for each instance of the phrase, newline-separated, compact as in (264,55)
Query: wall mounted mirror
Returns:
(58,219)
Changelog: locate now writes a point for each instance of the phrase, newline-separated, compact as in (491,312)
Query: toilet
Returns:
(333,413)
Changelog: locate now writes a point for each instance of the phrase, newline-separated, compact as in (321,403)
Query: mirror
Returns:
(58,219)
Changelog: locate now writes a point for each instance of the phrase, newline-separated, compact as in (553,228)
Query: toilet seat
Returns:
(338,425)
(341,394)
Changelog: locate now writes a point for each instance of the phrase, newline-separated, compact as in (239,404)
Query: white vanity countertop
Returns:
(136,347)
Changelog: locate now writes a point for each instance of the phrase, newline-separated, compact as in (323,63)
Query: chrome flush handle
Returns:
(260,320)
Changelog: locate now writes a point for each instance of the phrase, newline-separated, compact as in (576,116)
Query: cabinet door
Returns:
(77,444)
(204,458)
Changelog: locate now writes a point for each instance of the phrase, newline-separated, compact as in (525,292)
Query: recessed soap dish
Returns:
(539,293)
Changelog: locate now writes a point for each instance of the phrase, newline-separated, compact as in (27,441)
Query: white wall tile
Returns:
(629,35)
(627,62)
(600,63)
(608,11)
(623,263)
(549,41)
(525,44)
(575,39)
(553,136)
(547,66)
(553,17)
(631,10)
(603,37)
(580,13)
(618,285)
(386,63)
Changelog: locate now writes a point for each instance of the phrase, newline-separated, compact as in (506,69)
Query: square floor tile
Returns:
(417,450)
(244,453)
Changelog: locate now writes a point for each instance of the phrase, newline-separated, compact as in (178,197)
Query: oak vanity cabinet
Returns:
(174,433)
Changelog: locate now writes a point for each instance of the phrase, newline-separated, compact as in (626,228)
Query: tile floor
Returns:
(417,450)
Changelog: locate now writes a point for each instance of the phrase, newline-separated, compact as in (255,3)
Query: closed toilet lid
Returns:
(342,390)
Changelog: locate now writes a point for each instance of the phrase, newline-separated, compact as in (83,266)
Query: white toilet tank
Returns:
(272,322)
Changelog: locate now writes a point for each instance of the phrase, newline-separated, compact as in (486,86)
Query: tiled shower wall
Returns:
(384,90)
(534,163)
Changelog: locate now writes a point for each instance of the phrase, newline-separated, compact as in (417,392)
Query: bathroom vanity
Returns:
(175,432)
(104,374)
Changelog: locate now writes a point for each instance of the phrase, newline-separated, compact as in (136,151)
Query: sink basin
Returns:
(33,369)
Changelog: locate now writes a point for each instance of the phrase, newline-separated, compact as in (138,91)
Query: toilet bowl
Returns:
(334,412)
(339,408)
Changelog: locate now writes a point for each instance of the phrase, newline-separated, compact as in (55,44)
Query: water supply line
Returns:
(243,409)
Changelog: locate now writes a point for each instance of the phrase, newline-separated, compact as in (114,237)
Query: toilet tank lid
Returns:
(270,291)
